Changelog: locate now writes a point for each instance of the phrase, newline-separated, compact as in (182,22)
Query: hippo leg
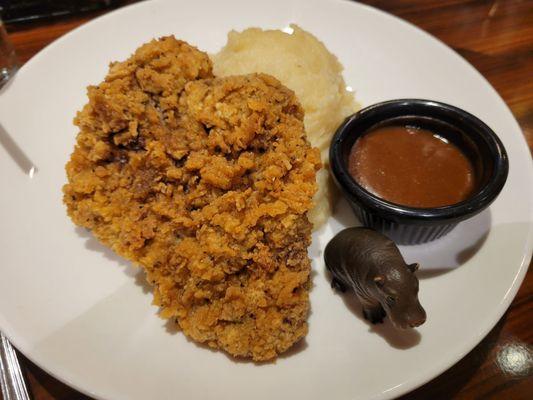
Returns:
(374,313)
(338,285)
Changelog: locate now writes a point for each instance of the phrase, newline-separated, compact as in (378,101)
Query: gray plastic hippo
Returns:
(371,264)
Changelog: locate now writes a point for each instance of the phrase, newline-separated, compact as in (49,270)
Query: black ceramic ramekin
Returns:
(408,225)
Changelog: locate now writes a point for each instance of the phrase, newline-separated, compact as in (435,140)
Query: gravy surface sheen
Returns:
(411,166)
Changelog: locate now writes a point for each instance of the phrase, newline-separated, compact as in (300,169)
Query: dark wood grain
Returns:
(497,38)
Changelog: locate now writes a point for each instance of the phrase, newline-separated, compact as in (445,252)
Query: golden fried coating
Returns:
(206,184)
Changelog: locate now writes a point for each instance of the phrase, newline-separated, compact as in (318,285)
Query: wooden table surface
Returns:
(497,38)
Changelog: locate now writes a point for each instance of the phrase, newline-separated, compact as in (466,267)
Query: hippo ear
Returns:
(413,267)
(380,280)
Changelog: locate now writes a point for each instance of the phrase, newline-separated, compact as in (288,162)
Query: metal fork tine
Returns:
(11,378)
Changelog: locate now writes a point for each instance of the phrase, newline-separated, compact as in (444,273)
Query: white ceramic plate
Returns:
(79,312)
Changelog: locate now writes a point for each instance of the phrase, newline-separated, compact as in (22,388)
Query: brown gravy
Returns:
(411,166)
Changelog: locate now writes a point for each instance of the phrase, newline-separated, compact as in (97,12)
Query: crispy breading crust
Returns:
(205,183)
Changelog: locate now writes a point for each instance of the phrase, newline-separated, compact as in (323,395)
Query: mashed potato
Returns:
(302,63)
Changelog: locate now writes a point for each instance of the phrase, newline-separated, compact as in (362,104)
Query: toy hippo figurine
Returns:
(371,264)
